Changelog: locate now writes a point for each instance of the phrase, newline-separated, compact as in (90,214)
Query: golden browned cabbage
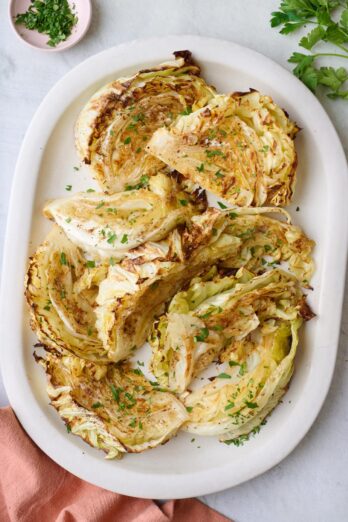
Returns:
(221,316)
(102,310)
(115,126)
(134,292)
(112,225)
(111,407)
(267,241)
(240,147)
(61,291)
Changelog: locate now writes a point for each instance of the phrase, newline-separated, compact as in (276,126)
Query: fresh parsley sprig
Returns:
(330,21)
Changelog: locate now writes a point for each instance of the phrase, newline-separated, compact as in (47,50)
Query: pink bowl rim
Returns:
(87,7)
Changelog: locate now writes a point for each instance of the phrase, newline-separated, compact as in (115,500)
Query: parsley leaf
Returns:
(144,181)
(63,259)
(204,333)
(212,153)
(223,376)
(186,111)
(312,38)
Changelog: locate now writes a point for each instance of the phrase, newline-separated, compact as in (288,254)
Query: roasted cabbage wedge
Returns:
(239,146)
(111,225)
(268,238)
(259,357)
(135,291)
(61,290)
(235,405)
(115,126)
(214,316)
(111,407)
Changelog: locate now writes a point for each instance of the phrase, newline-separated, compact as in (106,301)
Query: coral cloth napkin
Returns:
(35,489)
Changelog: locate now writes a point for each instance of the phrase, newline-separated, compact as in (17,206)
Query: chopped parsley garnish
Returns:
(243,369)
(97,405)
(90,190)
(112,261)
(183,202)
(204,333)
(144,181)
(133,423)
(52,17)
(115,393)
(186,111)
(138,117)
(219,174)
(251,405)
(68,220)
(212,153)
(68,429)
(229,405)
(100,205)
(221,205)
(127,140)
(265,148)
(131,400)
(63,259)
(90,264)
(137,371)
(76,168)
(239,441)
(112,133)
(48,305)
(138,150)
(124,239)
(233,215)
(200,168)
(217,327)
(189,408)
(111,239)
(223,376)
(68,187)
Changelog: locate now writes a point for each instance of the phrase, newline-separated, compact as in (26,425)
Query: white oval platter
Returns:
(45,166)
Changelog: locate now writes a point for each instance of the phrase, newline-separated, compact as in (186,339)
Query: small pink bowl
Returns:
(83,10)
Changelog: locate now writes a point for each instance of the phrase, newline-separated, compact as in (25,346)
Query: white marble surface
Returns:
(311,485)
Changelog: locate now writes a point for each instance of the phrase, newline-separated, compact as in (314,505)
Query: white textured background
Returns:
(311,485)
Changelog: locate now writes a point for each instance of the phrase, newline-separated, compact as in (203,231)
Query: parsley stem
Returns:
(330,54)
